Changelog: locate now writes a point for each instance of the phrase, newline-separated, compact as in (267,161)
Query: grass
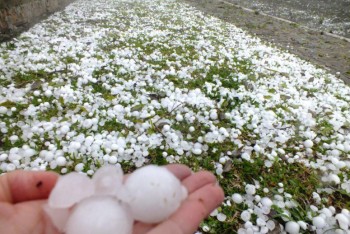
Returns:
(298,181)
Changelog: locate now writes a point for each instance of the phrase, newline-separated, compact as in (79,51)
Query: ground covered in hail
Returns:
(156,82)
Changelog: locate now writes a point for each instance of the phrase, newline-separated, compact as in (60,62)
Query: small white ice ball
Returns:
(308,144)
(245,216)
(292,227)
(318,222)
(257,198)
(13,138)
(250,189)
(205,228)
(100,214)
(343,221)
(79,167)
(221,217)
(213,115)
(347,148)
(237,198)
(303,225)
(64,129)
(257,148)
(334,178)
(3,110)
(3,157)
(113,160)
(271,225)
(154,193)
(340,165)
(179,117)
(48,93)
(61,161)
(222,160)
(219,171)
(265,201)
(197,151)
(48,156)
(121,151)
(245,156)
(27,153)
(166,127)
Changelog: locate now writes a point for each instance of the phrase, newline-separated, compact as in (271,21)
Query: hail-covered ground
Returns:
(156,82)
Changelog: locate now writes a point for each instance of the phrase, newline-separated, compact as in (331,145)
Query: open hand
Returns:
(23,193)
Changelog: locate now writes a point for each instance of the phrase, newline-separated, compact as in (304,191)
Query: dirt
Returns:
(319,48)
(324,15)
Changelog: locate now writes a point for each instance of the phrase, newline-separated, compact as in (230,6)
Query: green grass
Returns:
(298,180)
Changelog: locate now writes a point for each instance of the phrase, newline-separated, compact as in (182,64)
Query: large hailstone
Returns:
(153,194)
(100,214)
(70,189)
(108,180)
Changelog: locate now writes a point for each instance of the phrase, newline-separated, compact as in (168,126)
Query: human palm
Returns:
(23,194)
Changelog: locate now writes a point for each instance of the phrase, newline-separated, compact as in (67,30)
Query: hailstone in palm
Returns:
(99,214)
(104,204)
(154,193)
(70,189)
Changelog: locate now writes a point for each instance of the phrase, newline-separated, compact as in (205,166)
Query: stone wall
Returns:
(18,15)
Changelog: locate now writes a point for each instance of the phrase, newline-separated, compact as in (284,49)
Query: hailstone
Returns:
(58,216)
(108,180)
(292,227)
(265,201)
(221,217)
(237,198)
(154,193)
(70,189)
(343,221)
(245,215)
(100,214)
(250,189)
(318,222)
(308,144)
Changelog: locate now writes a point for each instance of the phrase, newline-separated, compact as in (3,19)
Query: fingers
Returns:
(179,170)
(20,186)
(198,180)
(142,228)
(196,208)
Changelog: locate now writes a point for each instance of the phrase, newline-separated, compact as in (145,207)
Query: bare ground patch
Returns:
(326,51)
